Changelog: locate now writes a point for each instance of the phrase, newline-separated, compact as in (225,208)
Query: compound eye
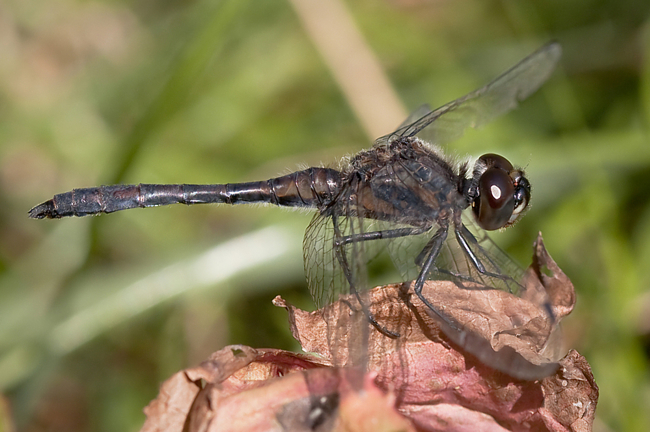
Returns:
(495,203)
(492,160)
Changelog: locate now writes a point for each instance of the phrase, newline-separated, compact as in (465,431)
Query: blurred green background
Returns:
(96,312)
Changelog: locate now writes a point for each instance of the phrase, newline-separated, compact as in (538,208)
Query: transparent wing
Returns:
(333,270)
(450,121)
(336,268)
(325,278)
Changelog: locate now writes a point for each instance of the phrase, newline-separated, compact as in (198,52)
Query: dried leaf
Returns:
(475,369)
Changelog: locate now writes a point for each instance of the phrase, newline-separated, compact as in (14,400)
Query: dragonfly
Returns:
(403,193)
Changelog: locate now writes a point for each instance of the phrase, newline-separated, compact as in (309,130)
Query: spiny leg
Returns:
(378,235)
(341,257)
(464,237)
(428,257)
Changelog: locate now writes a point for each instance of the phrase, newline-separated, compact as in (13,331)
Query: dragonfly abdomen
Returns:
(312,187)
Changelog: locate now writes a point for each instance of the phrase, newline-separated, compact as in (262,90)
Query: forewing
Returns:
(450,121)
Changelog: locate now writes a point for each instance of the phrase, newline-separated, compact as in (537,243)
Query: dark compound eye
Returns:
(503,193)
(492,160)
(496,202)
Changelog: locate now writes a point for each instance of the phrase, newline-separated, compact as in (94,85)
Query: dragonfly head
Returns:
(501,194)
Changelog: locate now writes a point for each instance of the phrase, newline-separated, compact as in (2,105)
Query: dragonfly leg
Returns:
(342,259)
(378,235)
(427,258)
(419,260)
(464,238)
